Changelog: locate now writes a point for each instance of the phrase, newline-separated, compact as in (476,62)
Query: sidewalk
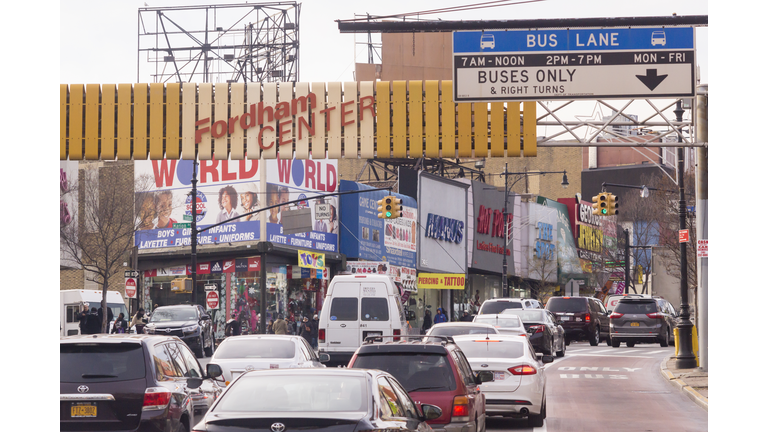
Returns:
(693,382)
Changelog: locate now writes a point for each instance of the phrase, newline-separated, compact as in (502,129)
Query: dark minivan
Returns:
(584,318)
(131,383)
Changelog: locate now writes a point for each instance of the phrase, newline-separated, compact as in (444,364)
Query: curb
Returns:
(688,390)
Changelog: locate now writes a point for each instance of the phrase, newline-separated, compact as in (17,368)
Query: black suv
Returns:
(131,383)
(189,323)
(583,318)
(433,370)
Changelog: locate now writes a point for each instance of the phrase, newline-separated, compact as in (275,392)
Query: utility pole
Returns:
(685,358)
(702,223)
(626,261)
(194,231)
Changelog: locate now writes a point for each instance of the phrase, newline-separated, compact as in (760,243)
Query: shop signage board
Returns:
(441,281)
(443,221)
(312,260)
(405,275)
(230,188)
(486,229)
(582,63)
(702,248)
(369,238)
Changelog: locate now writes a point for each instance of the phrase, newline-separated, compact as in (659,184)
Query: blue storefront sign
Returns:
(364,236)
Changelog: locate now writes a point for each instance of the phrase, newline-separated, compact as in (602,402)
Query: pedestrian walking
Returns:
(110,316)
(82,317)
(427,321)
(233,326)
(315,326)
(92,323)
(121,325)
(139,320)
(440,316)
(305,330)
(269,327)
(465,316)
(280,326)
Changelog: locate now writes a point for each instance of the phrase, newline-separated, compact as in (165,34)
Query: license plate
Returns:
(498,376)
(83,411)
(634,324)
(565,318)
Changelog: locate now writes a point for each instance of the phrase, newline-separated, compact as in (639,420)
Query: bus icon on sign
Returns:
(487,41)
(658,38)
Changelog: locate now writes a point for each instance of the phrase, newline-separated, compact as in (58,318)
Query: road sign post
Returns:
(130,288)
(212,300)
(581,63)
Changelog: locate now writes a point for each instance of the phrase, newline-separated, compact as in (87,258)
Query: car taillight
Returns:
(460,411)
(522,370)
(587,317)
(616,315)
(654,315)
(321,335)
(156,398)
(536,328)
(396,332)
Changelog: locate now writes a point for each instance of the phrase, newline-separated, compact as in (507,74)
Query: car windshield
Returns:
(416,372)
(479,348)
(237,348)
(530,315)
(100,362)
(567,305)
(635,307)
(460,330)
(500,321)
(295,393)
(497,307)
(173,314)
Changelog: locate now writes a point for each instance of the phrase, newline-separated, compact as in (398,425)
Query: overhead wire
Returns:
(484,5)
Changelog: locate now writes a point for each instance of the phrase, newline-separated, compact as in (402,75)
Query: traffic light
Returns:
(613,204)
(384,207)
(397,208)
(600,206)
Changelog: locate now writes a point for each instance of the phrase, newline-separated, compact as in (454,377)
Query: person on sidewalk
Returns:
(139,320)
(440,316)
(305,330)
(92,322)
(233,326)
(427,321)
(315,327)
(280,326)
(121,325)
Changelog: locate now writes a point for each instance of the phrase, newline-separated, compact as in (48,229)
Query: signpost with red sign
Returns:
(683,236)
(212,300)
(130,288)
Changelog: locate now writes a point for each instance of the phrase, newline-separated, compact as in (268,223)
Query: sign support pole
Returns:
(702,223)
(194,232)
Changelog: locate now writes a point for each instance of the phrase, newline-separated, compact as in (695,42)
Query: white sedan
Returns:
(518,386)
(239,354)
(505,324)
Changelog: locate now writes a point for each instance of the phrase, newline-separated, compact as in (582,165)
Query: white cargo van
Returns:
(355,307)
(72,300)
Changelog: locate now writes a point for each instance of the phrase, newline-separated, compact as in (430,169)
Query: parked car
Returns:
(460,328)
(190,323)
(505,324)
(518,388)
(494,306)
(330,399)
(433,371)
(131,382)
(545,331)
(641,320)
(239,354)
(358,306)
(611,301)
(584,318)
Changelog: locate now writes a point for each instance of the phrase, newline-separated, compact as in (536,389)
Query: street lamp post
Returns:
(685,358)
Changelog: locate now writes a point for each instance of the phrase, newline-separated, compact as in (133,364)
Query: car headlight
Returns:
(149,330)
(190,329)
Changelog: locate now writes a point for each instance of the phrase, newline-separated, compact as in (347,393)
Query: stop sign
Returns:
(130,287)
(212,300)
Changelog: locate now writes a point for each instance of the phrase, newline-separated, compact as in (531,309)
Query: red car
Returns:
(434,372)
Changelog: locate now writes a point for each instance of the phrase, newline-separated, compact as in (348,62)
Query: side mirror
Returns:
(324,357)
(431,412)
(547,359)
(483,376)
(213,370)
(205,317)
(194,383)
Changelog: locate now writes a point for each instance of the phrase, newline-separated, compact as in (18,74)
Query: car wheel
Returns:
(537,420)
(615,343)
(209,351)
(561,353)
(595,338)
(665,339)
(199,349)
(630,344)
(608,340)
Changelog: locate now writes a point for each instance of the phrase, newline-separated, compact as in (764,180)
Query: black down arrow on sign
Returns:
(651,79)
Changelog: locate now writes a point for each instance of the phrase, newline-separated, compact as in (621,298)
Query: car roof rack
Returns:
(407,339)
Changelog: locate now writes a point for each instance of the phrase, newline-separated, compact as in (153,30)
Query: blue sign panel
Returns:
(518,65)
(363,235)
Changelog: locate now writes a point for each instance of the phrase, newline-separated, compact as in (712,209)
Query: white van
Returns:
(356,307)
(72,300)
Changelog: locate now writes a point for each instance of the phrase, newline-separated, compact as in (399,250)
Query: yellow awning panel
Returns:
(398,119)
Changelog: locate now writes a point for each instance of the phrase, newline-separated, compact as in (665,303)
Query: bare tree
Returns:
(543,276)
(103,236)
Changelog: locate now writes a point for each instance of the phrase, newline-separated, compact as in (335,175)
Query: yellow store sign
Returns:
(441,281)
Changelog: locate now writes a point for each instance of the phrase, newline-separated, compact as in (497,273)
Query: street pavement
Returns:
(693,382)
